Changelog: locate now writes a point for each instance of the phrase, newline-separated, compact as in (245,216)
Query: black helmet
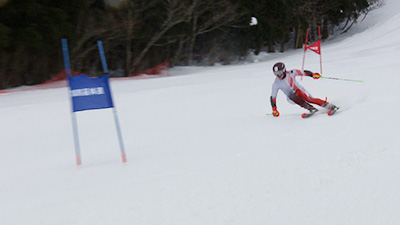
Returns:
(279,69)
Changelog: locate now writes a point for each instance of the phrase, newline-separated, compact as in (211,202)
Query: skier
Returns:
(286,81)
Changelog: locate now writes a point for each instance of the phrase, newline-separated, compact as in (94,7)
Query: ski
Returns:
(332,111)
(306,115)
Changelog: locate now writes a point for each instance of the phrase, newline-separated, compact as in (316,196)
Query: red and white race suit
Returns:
(290,86)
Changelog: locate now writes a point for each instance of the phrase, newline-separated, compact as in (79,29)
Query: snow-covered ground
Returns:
(201,150)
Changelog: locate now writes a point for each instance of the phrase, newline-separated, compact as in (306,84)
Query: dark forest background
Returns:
(138,34)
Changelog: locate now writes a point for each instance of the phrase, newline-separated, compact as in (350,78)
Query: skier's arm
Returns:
(274,94)
(275,111)
(273,102)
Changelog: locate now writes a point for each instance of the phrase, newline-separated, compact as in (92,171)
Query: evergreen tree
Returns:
(140,34)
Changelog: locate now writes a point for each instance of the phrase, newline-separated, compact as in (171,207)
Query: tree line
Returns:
(140,34)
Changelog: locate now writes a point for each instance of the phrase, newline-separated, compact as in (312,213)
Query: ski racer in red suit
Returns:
(286,82)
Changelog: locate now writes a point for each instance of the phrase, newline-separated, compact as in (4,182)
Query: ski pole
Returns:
(335,78)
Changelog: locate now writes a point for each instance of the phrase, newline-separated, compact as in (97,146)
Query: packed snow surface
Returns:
(201,150)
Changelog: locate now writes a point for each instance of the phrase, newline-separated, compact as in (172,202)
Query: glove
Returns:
(308,73)
(275,112)
(316,75)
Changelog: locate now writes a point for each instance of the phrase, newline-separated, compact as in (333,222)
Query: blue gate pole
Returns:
(64,43)
(105,69)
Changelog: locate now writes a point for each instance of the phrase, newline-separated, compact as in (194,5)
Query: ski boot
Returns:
(312,111)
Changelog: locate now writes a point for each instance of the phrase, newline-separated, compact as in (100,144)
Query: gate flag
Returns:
(89,93)
(316,47)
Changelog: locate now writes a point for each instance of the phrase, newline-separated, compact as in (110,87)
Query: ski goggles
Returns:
(280,73)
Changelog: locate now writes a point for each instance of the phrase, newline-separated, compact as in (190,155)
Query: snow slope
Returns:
(201,150)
